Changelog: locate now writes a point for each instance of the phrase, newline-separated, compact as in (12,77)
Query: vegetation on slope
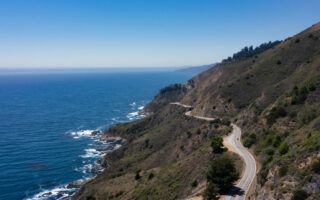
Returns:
(274,95)
(248,52)
(166,156)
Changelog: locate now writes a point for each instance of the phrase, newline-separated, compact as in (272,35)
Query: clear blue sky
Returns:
(142,33)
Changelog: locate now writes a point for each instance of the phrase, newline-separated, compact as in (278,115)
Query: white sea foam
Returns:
(135,115)
(118,120)
(81,133)
(117,146)
(85,169)
(97,150)
(58,193)
(92,153)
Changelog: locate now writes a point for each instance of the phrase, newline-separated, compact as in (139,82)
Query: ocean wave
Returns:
(118,120)
(59,193)
(81,133)
(84,133)
(135,115)
(85,169)
(92,153)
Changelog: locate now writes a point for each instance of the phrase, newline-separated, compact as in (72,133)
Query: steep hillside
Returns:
(274,96)
(165,157)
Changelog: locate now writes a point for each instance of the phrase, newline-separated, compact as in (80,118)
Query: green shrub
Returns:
(225,122)
(275,113)
(189,134)
(283,170)
(269,151)
(118,194)
(283,148)
(315,166)
(276,141)
(262,175)
(137,176)
(250,140)
(311,87)
(292,114)
(299,95)
(300,195)
(173,87)
(194,183)
(151,175)
(211,192)
(216,144)
(307,115)
(312,143)
(222,173)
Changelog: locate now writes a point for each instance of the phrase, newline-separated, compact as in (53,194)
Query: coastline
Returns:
(108,143)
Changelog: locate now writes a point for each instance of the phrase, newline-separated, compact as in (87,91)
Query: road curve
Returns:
(233,143)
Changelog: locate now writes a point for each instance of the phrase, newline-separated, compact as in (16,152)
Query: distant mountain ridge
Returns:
(196,69)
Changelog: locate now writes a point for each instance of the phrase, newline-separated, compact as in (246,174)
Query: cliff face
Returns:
(274,96)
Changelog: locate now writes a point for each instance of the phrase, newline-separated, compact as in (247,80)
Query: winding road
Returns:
(233,143)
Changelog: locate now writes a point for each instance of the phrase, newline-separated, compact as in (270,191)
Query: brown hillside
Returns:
(274,96)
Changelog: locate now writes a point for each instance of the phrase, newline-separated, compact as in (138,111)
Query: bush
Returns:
(118,194)
(211,192)
(315,166)
(276,141)
(263,173)
(283,170)
(275,113)
(151,175)
(222,173)
(250,140)
(300,195)
(269,151)
(311,87)
(194,183)
(299,95)
(216,144)
(173,87)
(216,121)
(283,148)
(306,115)
(189,134)
(137,176)
(225,122)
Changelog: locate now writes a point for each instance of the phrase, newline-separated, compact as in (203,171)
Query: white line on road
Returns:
(233,143)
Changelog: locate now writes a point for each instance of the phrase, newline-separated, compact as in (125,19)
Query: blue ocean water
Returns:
(46,120)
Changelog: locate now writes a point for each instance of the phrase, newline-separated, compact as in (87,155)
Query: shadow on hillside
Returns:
(235,191)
